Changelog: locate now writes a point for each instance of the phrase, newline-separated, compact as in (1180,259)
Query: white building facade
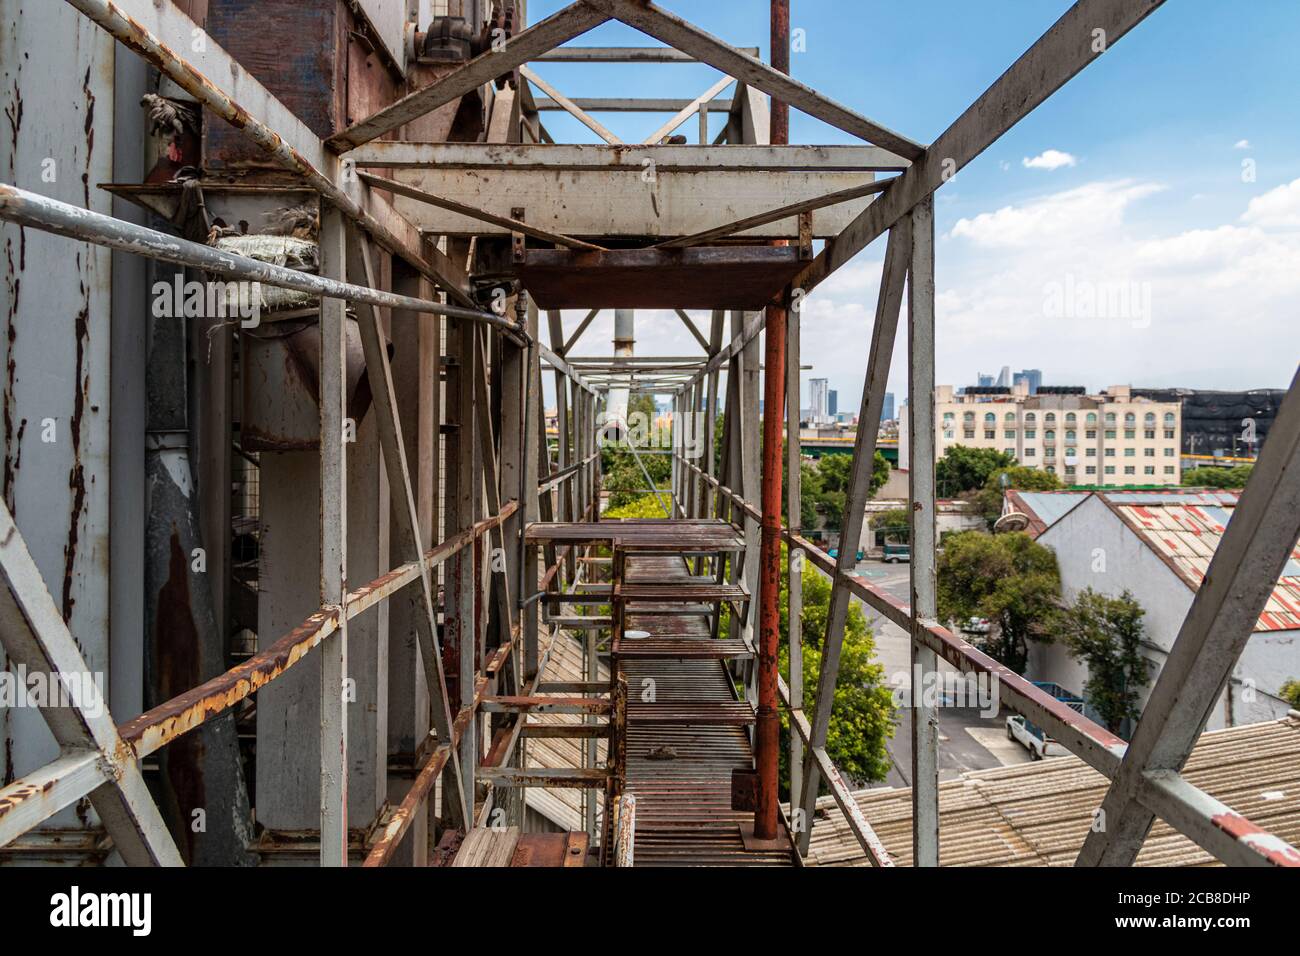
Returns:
(1106,439)
(1157,546)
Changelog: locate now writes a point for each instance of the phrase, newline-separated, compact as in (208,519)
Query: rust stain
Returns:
(77,474)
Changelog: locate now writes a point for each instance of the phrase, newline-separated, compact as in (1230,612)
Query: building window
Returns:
(1149,470)
(1110,418)
(1169,419)
(1148,453)
(1030,417)
(1091,434)
(1070,435)
(1110,469)
(1092,453)
(1049,435)
(1130,452)
(1050,418)
(1130,434)
(1110,452)
(1129,470)
(1030,452)
(990,418)
(1091,470)
(1030,433)
(948,434)
(990,434)
(1130,420)
(1169,469)
(1110,434)
(1010,452)
(1010,418)
(1149,419)
(1169,453)
(1009,434)
(1169,433)
(1149,434)
(1051,469)
(968,417)
(1071,418)
(1092,418)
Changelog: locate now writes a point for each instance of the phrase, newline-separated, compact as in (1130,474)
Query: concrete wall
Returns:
(1094,548)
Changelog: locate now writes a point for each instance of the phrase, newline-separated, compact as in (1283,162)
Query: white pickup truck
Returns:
(1034,738)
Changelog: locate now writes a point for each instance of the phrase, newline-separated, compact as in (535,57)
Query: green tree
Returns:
(830,493)
(1106,634)
(895,523)
(1021,477)
(1212,477)
(963,469)
(863,715)
(1009,580)
(1291,693)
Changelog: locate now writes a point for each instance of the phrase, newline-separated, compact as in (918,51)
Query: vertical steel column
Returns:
(920,403)
(795,557)
(767,731)
(459,634)
(333,548)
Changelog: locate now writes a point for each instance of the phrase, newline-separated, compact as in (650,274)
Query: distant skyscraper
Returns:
(887,409)
(1033,377)
(983,381)
(820,398)
(833,403)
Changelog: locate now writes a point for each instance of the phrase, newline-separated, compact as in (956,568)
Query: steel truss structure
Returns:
(384,198)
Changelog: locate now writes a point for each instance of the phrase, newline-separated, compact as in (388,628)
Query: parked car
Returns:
(1033,737)
(897,552)
(976,625)
(835,553)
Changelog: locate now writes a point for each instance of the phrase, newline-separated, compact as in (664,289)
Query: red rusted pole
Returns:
(767,731)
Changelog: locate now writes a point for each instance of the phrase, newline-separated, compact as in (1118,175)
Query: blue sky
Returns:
(1142,190)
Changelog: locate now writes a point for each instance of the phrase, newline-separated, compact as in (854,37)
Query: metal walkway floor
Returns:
(684,741)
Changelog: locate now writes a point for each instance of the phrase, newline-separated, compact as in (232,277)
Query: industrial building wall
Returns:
(56,96)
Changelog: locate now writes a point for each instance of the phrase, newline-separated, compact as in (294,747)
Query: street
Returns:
(967,741)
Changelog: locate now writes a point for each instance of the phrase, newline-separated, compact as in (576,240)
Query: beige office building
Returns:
(1107,439)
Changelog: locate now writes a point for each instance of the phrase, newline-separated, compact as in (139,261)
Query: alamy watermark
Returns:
(642,431)
(1084,299)
(19,688)
(228,301)
(947,689)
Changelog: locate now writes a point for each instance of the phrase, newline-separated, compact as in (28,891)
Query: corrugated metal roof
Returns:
(1185,530)
(1049,506)
(563,807)
(1038,814)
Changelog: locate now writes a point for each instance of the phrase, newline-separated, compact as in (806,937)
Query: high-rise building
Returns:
(833,403)
(887,409)
(1032,377)
(819,396)
(1114,438)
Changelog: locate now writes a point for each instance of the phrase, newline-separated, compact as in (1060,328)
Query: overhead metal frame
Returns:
(102,760)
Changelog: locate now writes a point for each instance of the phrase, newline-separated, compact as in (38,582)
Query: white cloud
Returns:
(1241,144)
(1221,293)
(1050,159)
(1090,211)
(1277,209)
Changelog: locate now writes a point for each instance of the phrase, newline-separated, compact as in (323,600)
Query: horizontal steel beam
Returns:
(631,105)
(623,54)
(588,157)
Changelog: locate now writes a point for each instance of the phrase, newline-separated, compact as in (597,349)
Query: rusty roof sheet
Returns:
(1185,530)
(1038,814)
